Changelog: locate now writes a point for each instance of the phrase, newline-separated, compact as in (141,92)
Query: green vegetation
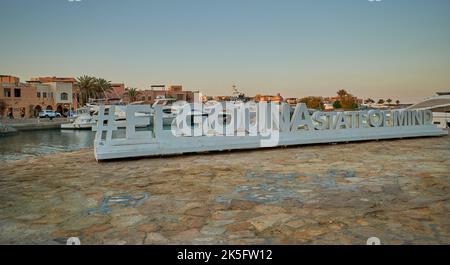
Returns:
(132,93)
(337,104)
(346,100)
(381,101)
(92,88)
(313,102)
(369,101)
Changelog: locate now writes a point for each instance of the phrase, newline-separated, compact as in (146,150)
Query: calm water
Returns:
(35,143)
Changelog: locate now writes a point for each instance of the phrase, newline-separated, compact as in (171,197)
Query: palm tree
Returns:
(86,86)
(342,93)
(381,101)
(389,101)
(102,87)
(397,102)
(132,93)
(92,87)
(369,100)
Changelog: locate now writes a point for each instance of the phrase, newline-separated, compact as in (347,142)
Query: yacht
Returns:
(142,119)
(120,116)
(82,121)
(439,105)
(169,109)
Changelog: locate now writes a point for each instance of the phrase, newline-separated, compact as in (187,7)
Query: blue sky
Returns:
(393,48)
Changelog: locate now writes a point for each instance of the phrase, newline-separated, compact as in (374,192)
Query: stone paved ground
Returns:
(321,194)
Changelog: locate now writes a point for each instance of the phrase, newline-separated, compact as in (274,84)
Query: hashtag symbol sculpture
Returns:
(105,123)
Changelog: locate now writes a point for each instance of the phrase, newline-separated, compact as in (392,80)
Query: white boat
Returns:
(439,105)
(83,121)
(143,119)
(169,109)
(441,119)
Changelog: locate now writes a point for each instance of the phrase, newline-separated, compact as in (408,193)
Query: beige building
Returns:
(175,91)
(26,100)
(20,98)
(58,91)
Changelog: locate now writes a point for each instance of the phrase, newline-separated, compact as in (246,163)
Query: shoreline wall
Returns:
(34,124)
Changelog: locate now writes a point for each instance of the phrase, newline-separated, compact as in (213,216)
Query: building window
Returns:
(7,92)
(39,94)
(44,94)
(143,98)
(64,96)
(51,94)
(17,92)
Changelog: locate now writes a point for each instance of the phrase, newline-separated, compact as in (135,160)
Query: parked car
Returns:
(49,114)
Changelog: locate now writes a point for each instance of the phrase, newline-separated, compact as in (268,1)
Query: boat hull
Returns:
(71,126)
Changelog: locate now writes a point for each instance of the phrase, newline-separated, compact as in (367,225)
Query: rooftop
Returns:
(50,79)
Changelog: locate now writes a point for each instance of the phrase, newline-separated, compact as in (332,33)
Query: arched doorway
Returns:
(49,107)
(59,109)
(37,109)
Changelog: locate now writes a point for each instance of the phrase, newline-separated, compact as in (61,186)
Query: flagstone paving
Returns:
(395,190)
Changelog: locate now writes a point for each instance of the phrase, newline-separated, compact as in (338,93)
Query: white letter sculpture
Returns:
(252,125)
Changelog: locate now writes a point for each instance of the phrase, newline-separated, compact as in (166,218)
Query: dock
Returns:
(31,124)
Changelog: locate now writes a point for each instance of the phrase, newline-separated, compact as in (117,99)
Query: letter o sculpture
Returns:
(375,118)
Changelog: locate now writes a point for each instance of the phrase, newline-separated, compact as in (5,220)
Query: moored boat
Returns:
(83,121)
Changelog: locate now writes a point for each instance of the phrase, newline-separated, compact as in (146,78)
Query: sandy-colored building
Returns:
(268,98)
(117,91)
(20,98)
(8,79)
(55,93)
(26,100)
(174,91)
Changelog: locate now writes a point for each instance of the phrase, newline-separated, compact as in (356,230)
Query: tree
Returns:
(349,102)
(397,102)
(381,101)
(342,93)
(369,100)
(337,104)
(86,86)
(346,100)
(132,93)
(389,101)
(102,87)
(92,87)
(313,102)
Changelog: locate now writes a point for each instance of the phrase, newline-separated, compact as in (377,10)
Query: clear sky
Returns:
(393,48)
